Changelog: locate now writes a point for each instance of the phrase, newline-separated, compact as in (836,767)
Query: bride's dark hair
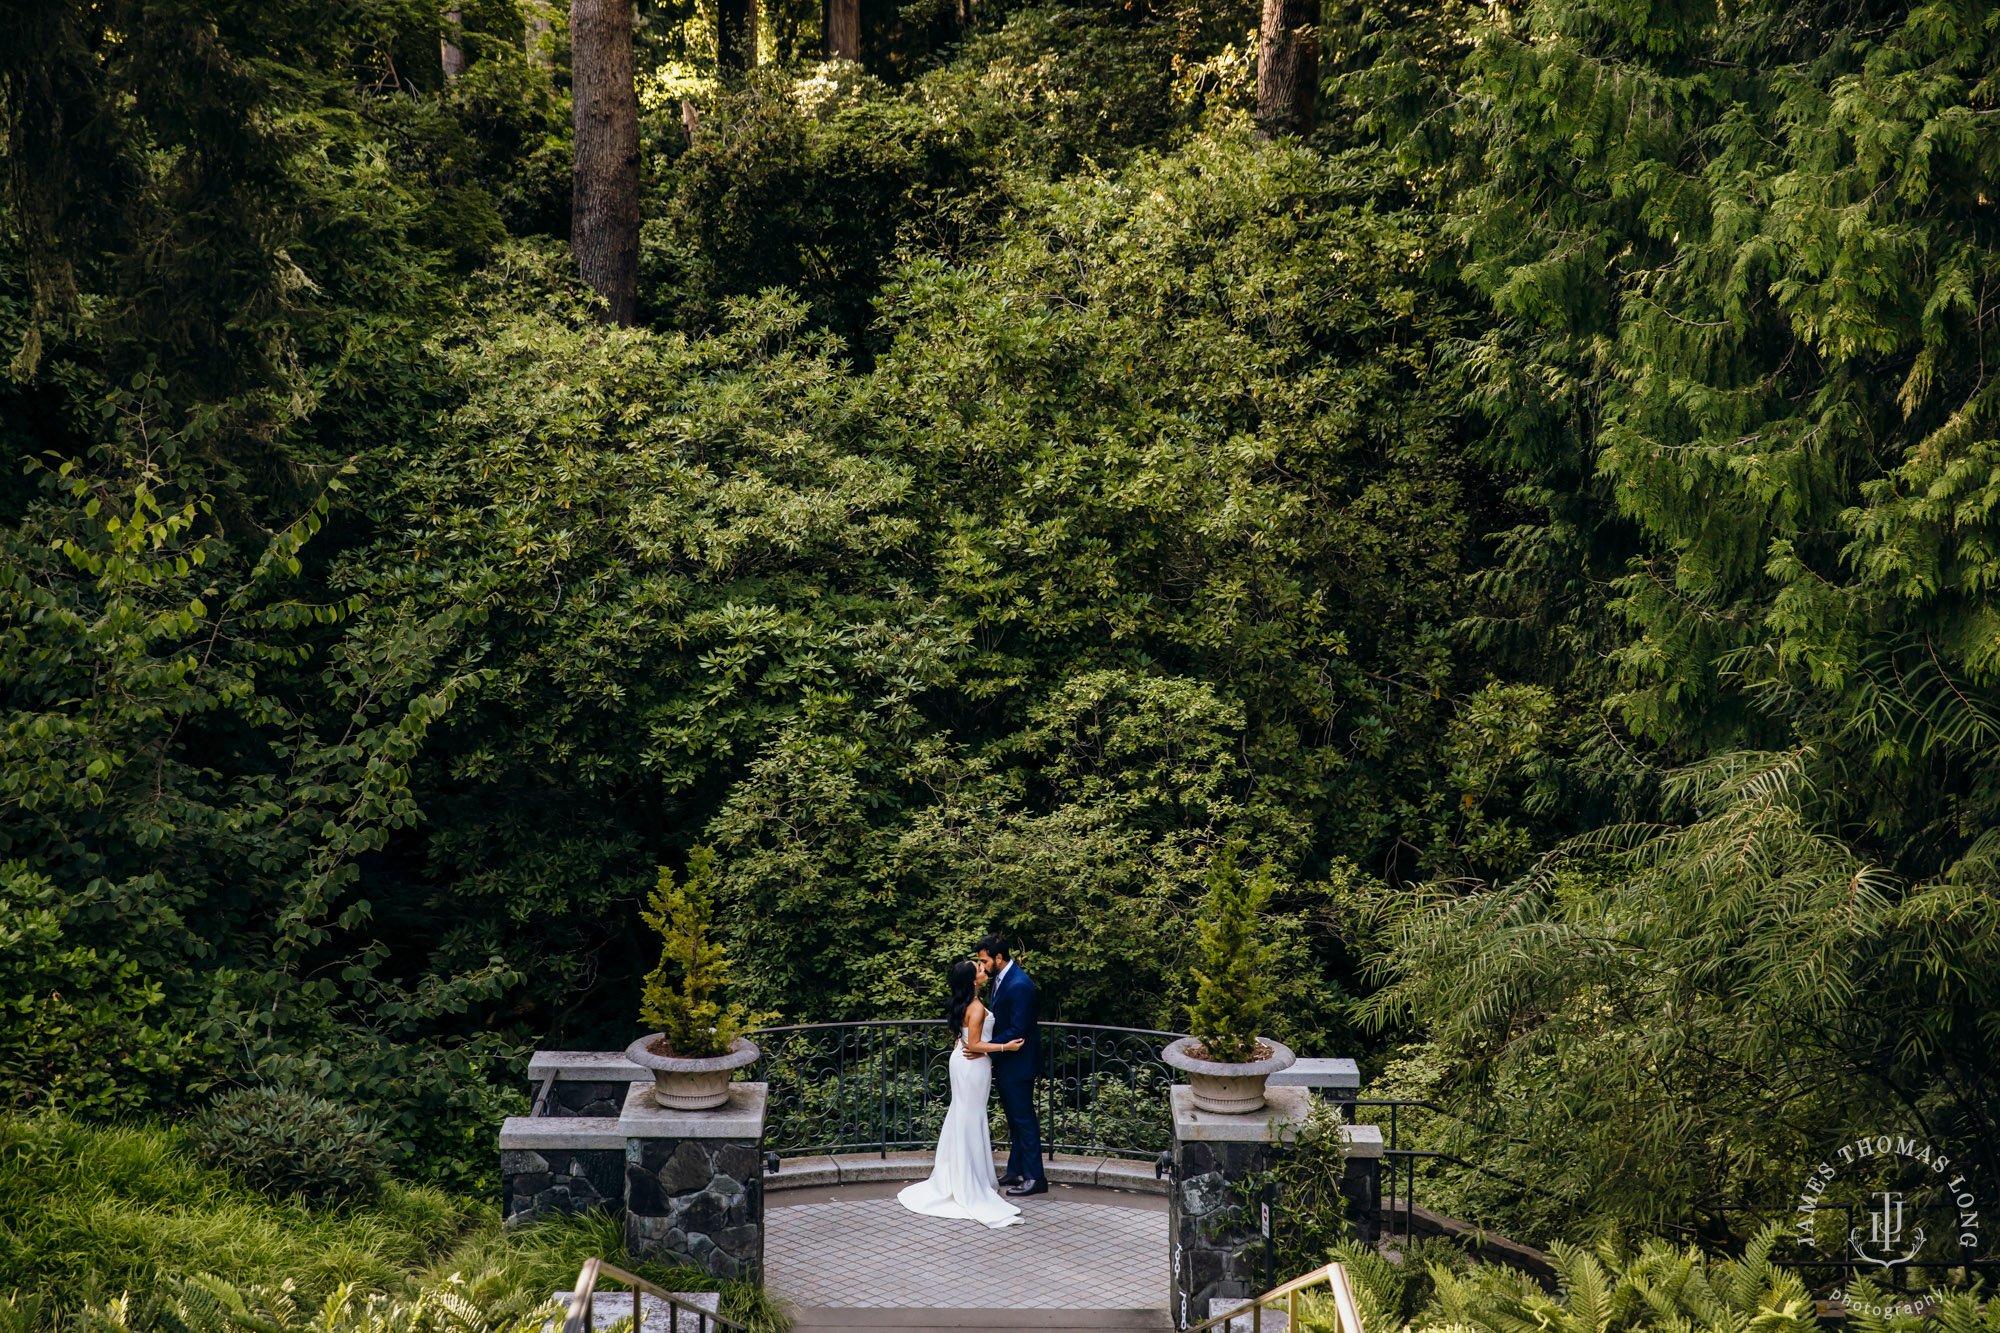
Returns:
(963,981)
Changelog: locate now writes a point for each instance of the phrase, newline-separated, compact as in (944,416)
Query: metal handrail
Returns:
(879,1081)
(1395,1153)
(1334,1275)
(582,1302)
(933,1022)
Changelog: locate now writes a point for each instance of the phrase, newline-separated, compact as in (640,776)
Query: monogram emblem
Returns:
(1890,1197)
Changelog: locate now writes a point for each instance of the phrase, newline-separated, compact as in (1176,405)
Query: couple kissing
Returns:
(994,1041)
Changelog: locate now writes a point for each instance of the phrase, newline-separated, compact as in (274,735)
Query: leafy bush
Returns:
(1231,990)
(1305,1185)
(800,183)
(87,1208)
(284,1141)
(691,1019)
(455,1304)
(203,1304)
(118,1208)
(1611,1287)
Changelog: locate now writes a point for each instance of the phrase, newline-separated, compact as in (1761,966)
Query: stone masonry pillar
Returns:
(1361,1181)
(1216,1232)
(1217,1236)
(550,1166)
(694,1182)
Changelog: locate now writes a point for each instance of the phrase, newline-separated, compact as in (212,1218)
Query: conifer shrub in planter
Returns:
(1227,1061)
(287,1142)
(700,1040)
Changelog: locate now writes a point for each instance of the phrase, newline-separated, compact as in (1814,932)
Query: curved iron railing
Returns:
(882,1085)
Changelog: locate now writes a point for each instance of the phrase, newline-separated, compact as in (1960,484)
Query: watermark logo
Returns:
(1888,1200)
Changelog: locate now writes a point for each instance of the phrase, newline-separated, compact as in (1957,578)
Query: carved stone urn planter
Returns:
(1227,1089)
(688,1083)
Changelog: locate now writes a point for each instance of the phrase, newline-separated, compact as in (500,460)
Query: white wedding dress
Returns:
(961,1183)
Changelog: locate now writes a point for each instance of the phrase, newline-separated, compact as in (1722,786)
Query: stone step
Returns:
(1273,1320)
(799,1173)
(608,1307)
(826,1319)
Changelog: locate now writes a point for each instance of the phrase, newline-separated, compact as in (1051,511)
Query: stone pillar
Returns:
(1361,1181)
(550,1166)
(694,1182)
(1217,1234)
(582,1083)
(1217,1237)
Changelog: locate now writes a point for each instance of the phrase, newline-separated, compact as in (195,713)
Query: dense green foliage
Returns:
(1618,1287)
(1609,1289)
(283,1141)
(1739,365)
(88,1212)
(206,1305)
(1546,517)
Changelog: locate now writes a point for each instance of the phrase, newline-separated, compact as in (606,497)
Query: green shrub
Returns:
(204,1304)
(287,1142)
(1232,991)
(1614,1286)
(92,1211)
(1306,1188)
(486,1304)
(115,1208)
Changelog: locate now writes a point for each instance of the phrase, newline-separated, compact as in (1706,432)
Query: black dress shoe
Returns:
(1005,1181)
(1026,1188)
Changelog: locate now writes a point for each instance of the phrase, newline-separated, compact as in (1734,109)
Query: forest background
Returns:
(1539,493)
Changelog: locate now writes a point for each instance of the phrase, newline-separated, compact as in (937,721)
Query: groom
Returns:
(1013,1006)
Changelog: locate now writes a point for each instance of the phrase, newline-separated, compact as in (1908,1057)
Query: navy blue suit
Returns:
(1013,1006)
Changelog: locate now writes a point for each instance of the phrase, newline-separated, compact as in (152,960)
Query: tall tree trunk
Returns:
(449,51)
(736,34)
(1288,66)
(604,218)
(535,13)
(843,29)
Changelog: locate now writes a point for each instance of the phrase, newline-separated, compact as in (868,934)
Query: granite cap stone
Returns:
(1362,1140)
(1285,1109)
(573,1132)
(584,1067)
(741,1117)
(1342,1075)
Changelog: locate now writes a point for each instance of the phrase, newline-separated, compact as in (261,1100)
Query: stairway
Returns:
(851,1319)
(608,1307)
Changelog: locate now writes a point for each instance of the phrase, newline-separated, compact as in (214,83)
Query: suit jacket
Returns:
(1014,1016)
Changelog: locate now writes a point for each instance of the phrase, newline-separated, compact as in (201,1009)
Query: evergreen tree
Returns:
(1737,257)
(840,23)
(604,226)
(1288,66)
(689,1016)
(1232,991)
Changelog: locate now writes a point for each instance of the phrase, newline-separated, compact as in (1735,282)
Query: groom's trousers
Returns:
(1024,1131)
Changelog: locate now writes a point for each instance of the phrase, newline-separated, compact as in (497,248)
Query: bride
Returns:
(961,1183)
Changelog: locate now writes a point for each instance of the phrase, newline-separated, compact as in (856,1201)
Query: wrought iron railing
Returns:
(1399,1164)
(885,1085)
